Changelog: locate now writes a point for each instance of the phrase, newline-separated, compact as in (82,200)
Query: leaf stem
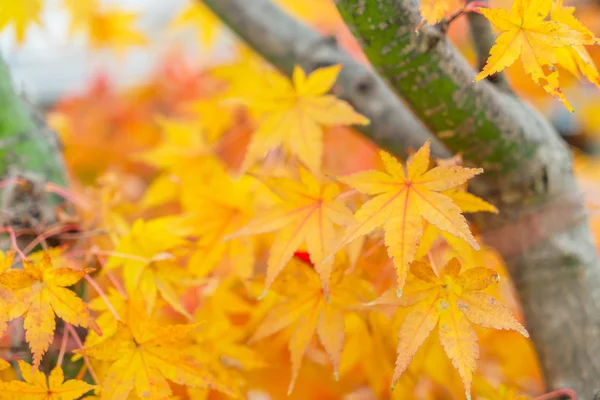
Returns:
(85,358)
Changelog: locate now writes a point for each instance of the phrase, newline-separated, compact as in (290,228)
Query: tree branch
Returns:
(286,42)
(528,168)
(542,229)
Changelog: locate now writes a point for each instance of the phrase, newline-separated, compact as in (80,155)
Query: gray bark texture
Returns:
(542,229)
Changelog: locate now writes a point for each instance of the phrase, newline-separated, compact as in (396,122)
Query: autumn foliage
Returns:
(230,235)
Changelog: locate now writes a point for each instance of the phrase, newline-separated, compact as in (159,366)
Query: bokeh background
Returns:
(103,103)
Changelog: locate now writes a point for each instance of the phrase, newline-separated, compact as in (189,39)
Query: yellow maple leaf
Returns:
(433,11)
(217,209)
(527,34)
(6,260)
(305,308)
(149,263)
(468,203)
(105,318)
(20,14)
(575,59)
(182,146)
(37,387)
(104,27)
(403,199)
(452,302)
(39,294)
(223,344)
(308,213)
(293,115)
(207,25)
(144,354)
(183,154)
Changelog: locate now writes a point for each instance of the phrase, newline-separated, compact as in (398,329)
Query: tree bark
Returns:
(542,229)
(28,150)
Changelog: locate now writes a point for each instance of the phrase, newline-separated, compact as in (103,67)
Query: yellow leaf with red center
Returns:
(37,387)
(217,209)
(39,294)
(148,256)
(575,59)
(453,302)
(144,354)
(293,114)
(403,199)
(20,14)
(305,309)
(207,25)
(307,213)
(526,34)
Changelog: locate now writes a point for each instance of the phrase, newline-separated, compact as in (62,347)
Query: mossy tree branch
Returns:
(542,229)
(28,150)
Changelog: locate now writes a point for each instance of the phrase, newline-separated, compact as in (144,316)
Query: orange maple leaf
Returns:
(39,294)
(37,387)
(293,115)
(403,199)
(307,213)
(305,307)
(453,302)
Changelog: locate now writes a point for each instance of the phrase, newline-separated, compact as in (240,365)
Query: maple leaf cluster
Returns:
(223,243)
(220,269)
(544,34)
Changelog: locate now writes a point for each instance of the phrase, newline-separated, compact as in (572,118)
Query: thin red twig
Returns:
(13,240)
(558,394)
(13,181)
(49,233)
(63,347)
(65,194)
(111,277)
(102,295)
(85,358)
